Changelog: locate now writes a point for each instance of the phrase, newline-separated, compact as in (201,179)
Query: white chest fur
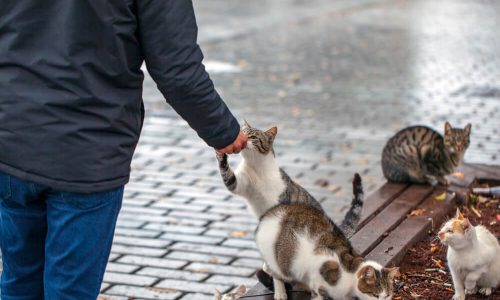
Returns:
(259,182)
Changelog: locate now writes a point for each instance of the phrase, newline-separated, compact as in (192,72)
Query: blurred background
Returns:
(338,78)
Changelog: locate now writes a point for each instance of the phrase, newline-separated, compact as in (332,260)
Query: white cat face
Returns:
(456,232)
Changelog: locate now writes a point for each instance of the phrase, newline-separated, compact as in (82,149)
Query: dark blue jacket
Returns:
(71,107)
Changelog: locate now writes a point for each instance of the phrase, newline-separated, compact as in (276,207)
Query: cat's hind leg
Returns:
(279,290)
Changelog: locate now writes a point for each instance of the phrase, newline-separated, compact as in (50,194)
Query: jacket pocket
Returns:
(5,190)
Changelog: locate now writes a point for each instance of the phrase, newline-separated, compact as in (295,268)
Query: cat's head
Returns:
(259,142)
(457,232)
(375,282)
(456,140)
(237,293)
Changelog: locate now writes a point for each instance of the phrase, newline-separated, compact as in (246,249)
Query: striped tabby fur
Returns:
(422,155)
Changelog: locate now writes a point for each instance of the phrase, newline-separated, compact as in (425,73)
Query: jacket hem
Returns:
(65,186)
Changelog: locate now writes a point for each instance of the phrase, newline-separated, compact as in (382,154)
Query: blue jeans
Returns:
(55,245)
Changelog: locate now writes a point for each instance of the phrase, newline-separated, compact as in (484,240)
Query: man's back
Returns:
(71,86)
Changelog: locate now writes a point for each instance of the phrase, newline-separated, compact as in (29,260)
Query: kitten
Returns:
(236,294)
(420,154)
(300,243)
(473,256)
(261,182)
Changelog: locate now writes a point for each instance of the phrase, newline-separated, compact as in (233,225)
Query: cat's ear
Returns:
(466,225)
(241,290)
(273,131)
(245,124)
(217,294)
(467,128)
(459,215)
(368,275)
(392,273)
(447,128)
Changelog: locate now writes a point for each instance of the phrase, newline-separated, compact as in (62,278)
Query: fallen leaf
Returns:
(459,175)
(333,187)
(482,199)
(441,197)
(202,270)
(237,234)
(434,248)
(417,212)
(322,182)
(475,212)
(213,260)
(438,263)
(362,161)
(388,249)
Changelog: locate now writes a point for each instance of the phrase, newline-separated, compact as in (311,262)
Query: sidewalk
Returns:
(337,80)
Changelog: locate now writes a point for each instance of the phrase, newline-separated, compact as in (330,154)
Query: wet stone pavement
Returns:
(337,79)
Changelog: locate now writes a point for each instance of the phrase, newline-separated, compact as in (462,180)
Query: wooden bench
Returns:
(388,227)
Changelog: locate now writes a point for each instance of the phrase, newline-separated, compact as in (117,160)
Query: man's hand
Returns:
(239,144)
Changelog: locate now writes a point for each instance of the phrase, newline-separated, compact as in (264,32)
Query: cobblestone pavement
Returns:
(338,78)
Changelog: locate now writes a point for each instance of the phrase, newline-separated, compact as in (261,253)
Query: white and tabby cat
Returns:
(299,243)
(420,154)
(261,181)
(473,256)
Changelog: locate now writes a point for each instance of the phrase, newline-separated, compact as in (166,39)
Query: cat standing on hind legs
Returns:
(420,154)
(473,257)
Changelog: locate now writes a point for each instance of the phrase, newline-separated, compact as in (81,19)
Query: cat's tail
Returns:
(351,220)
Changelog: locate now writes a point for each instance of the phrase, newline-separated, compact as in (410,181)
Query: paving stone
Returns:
(240,243)
(191,238)
(139,280)
(219,269)
(191,286)
(175,228)
(248,262)
(123,249)
(200,257)
(144,292)
(221,250)
(130,241)
(137,232)
(172,274)
(152,262)
(233,280)
(121,268)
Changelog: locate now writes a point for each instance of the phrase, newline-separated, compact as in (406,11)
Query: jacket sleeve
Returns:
(168,36)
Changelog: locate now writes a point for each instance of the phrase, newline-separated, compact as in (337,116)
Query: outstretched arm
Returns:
(167,31)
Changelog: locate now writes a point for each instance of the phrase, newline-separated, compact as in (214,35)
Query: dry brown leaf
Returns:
(202,270)
(362,161)
(213,260)
(458,175)
(322,182)
(434,248)
(417,212)
(237,234)
(438,263)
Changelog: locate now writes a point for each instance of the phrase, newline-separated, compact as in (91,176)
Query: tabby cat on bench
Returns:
(420,154)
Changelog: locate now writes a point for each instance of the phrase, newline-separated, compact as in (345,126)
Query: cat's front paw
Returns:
(485,291)
(280,296)
(458,297)
(221,156)
(471,291)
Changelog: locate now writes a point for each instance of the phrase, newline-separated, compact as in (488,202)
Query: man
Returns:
(71,113)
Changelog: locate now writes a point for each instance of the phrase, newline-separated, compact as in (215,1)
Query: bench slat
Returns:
(369,236)
(391,250)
